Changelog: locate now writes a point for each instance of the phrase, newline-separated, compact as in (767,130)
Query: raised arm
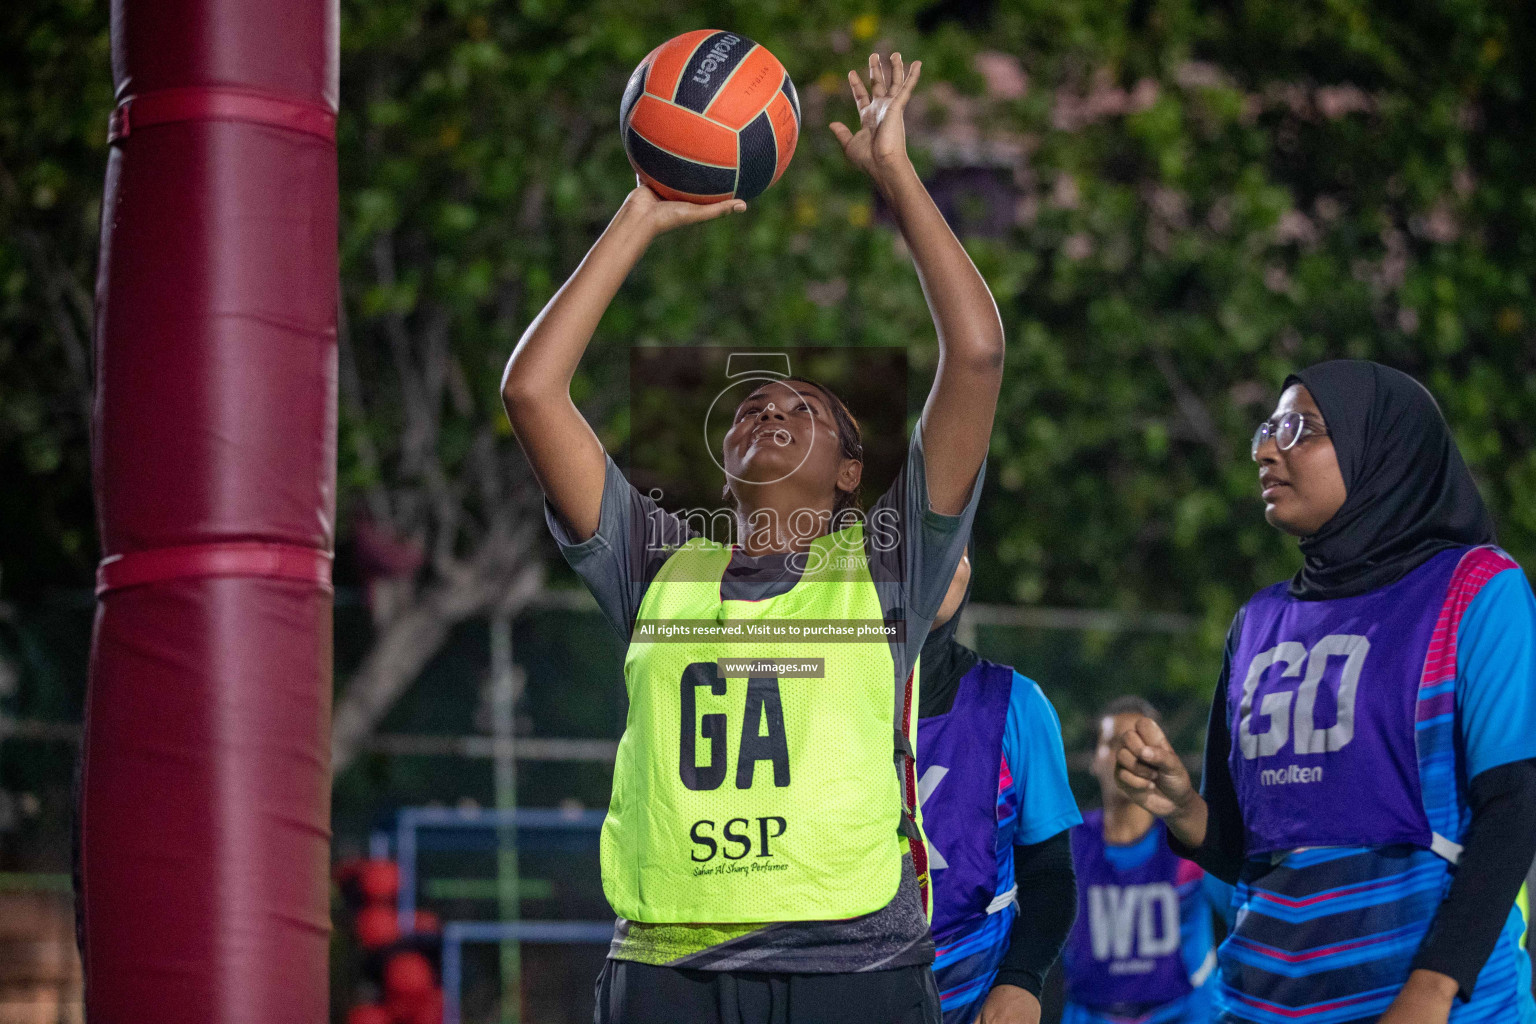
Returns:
(957,418)
(567,458)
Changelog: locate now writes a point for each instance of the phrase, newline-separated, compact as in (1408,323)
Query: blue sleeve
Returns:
(1196,934)
(1033,749)
(1496,674)
(1218,895)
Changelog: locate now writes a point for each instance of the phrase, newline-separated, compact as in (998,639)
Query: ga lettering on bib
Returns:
(756,799)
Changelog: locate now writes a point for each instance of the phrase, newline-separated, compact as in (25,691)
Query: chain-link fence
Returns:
(441,746)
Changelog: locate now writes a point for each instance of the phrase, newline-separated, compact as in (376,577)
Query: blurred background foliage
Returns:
(1175,202)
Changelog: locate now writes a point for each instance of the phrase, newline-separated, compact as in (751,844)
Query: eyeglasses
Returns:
(1286,430)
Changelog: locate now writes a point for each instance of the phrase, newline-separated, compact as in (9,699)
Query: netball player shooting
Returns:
(837,930)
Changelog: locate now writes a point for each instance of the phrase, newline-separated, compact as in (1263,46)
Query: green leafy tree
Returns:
(1176,203)
(55,92)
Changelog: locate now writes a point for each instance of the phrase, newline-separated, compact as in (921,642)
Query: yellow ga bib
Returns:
(750,796)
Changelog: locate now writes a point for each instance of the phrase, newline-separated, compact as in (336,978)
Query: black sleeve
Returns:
(1494,859)
(1222,852)
(1047,897)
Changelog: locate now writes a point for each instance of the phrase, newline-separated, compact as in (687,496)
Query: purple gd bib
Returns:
(959,755)
(1125,951)
(1321,703)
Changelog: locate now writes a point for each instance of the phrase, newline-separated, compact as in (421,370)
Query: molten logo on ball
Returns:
(714,58)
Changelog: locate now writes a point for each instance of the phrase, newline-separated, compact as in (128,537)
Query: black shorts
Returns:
(634,993)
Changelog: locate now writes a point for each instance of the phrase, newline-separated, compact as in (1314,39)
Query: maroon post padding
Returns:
(205,790)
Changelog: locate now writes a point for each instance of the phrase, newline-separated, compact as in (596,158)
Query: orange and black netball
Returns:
(710,116)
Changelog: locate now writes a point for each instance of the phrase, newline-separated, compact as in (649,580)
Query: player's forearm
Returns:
(545,359)
(1188,822)
(1046,886)
(964,312)
(1218,823)
(1498,849)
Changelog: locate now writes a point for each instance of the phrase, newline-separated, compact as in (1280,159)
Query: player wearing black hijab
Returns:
(1369,777)
(1409,495)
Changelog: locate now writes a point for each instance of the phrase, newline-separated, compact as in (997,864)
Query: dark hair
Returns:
(1130,704)
(850,440)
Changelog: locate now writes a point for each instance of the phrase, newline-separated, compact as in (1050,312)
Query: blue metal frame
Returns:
(412,819)
(457,933)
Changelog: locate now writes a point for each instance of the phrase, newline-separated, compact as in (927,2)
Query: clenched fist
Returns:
(1149,772)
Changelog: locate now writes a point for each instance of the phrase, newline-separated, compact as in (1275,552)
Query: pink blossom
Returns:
(1078,246)
(1199,74)
(1004,75)
(1295,226)
(1336,101)
(1064,193)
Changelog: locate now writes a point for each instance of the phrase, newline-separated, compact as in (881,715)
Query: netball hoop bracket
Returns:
(274,561)
(207,103)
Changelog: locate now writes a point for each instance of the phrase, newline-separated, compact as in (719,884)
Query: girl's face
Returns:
(1301,486)
(787,432)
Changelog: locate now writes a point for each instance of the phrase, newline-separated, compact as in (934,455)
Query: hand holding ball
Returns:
(708,117)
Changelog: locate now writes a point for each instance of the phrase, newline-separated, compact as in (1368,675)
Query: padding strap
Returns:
(279,561)
(204,103)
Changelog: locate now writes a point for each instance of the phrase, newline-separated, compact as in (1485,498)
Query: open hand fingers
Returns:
(879,86)
(679,213)
(709,211)
(860,94)
(908,83)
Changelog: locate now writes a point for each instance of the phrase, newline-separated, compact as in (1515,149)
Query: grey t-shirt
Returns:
(913,552)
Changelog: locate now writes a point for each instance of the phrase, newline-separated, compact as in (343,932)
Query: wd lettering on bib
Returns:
(1125,953)
(1133,925)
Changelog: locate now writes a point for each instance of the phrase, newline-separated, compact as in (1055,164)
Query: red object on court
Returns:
(369,1014)
(427,1009)
(408,977)
(378,880)
(205,794)
(426,923)
(376,926)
